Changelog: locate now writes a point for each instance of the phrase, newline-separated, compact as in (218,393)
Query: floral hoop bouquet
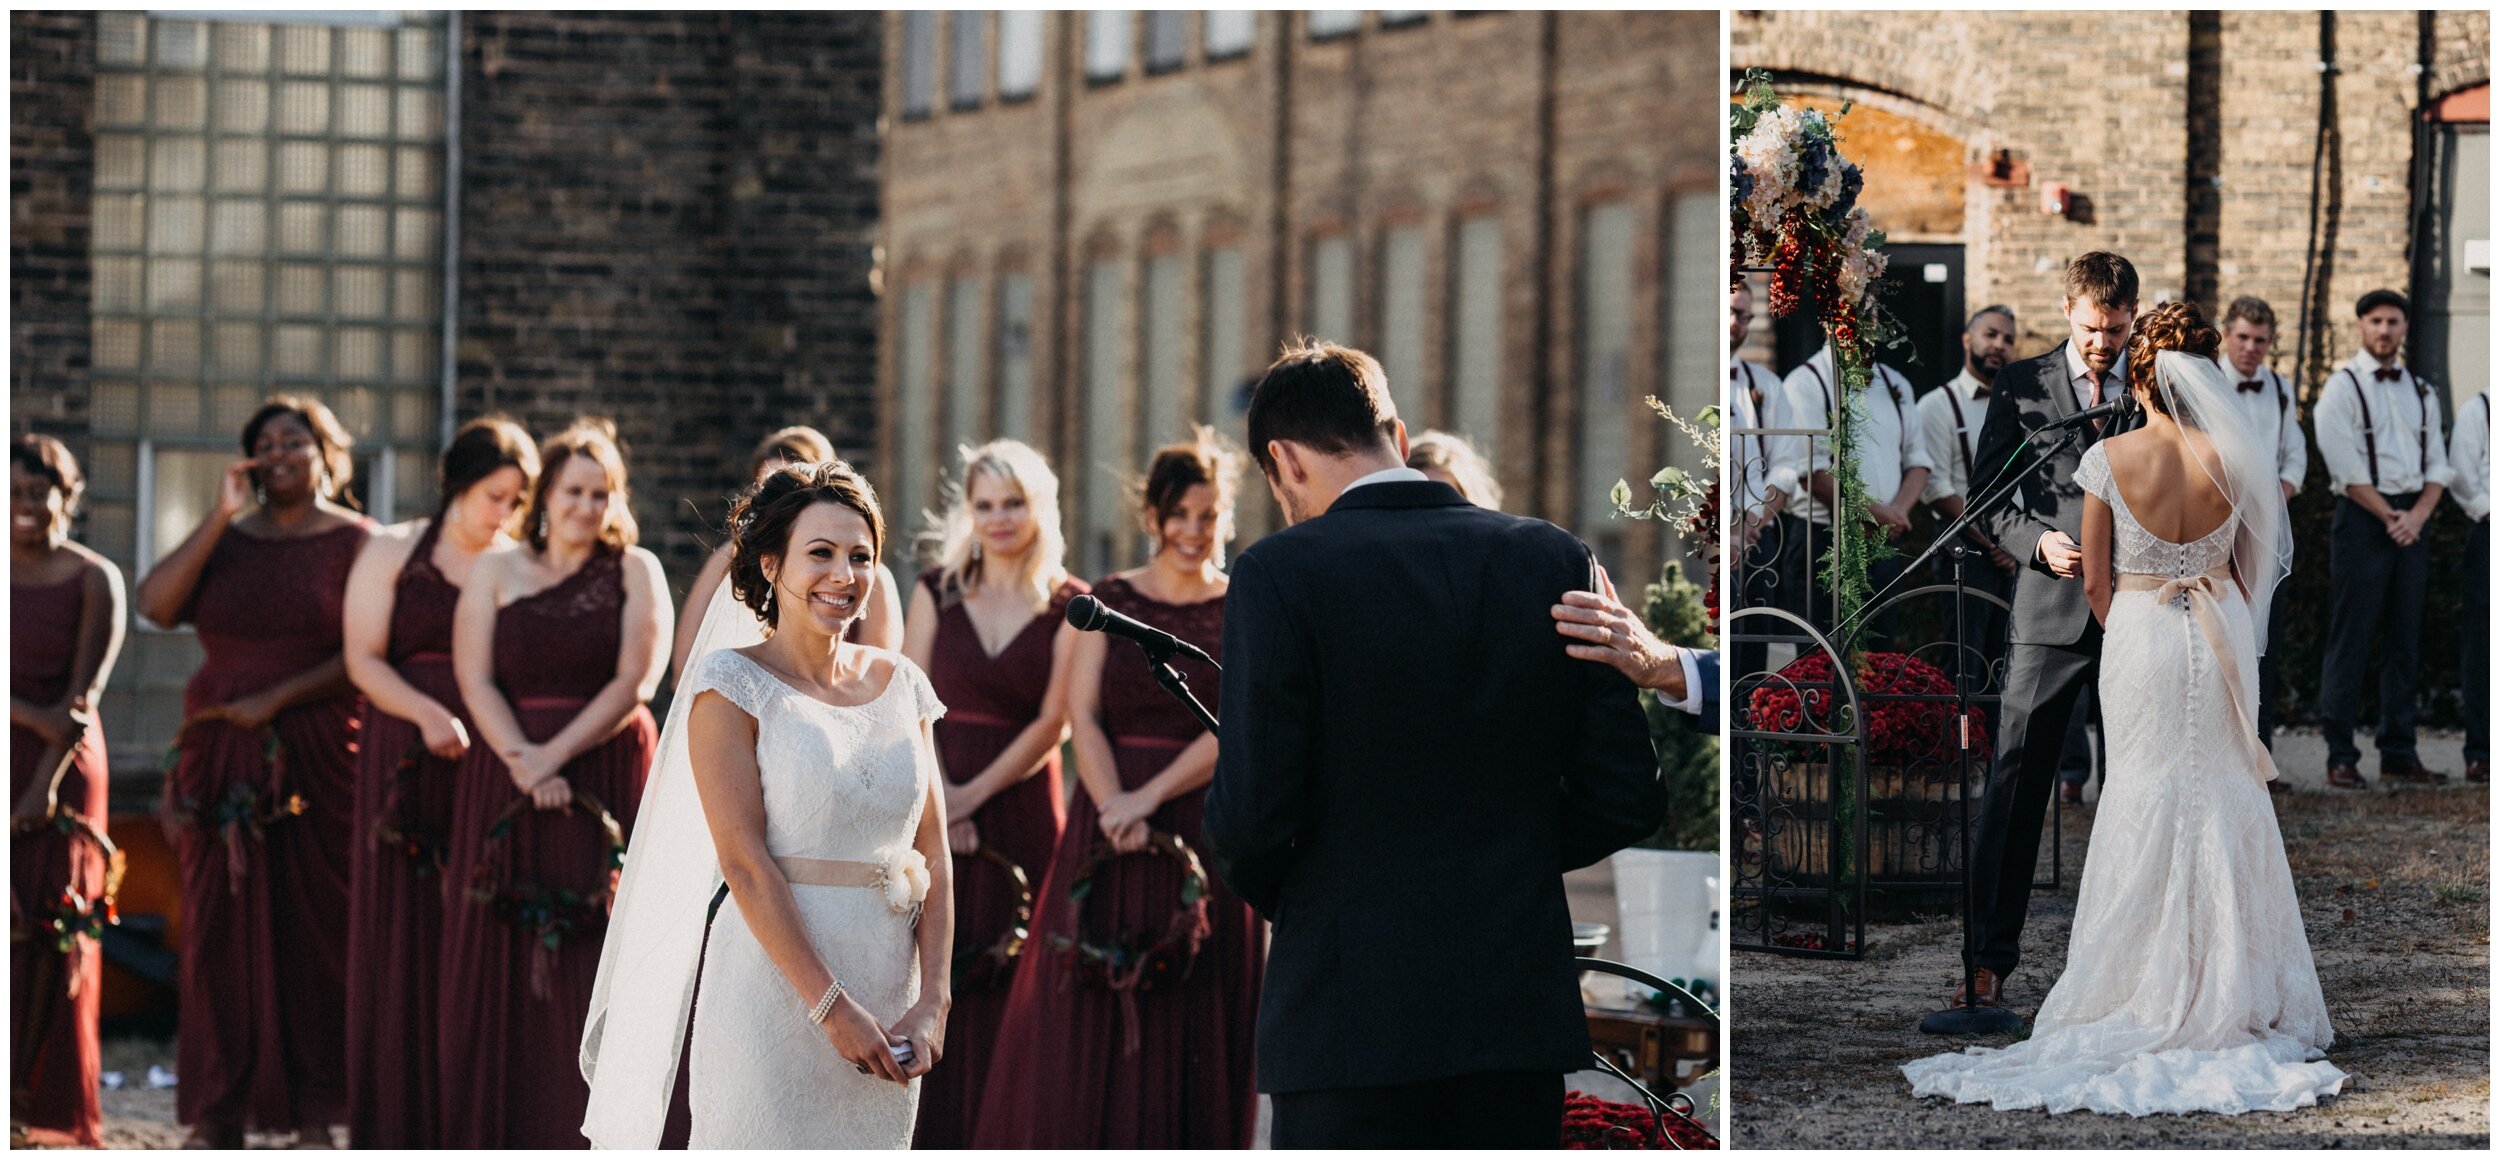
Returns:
(548,913)
(73,923)
(1138,960)
(395,831)
(1793,208)
(993,966)
(242,812)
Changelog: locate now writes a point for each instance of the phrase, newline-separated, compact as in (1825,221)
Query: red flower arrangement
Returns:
(1591,1124)
(1897,732)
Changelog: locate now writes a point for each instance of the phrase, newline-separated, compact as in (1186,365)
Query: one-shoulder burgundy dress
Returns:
(395,936)
(1079,1065)
(55,1052)
(518,967)
(989,700)
(264,818)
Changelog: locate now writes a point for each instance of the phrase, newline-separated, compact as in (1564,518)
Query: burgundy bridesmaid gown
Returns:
(264,887)
(395,926)
(512,1009)
(1063,1076)
(54,1050)
(989,700)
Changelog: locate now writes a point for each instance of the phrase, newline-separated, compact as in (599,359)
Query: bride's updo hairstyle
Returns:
(2176,325)
(760,522)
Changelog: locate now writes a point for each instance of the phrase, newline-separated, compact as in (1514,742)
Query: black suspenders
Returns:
(2369,426)
(1961,429)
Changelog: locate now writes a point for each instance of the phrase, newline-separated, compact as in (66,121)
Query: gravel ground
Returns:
(2395,891)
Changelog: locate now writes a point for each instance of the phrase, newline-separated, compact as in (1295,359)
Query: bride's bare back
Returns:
(2166,474)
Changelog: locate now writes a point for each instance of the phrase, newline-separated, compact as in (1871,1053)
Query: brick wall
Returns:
(51,178)
(666,218)
(2102,102)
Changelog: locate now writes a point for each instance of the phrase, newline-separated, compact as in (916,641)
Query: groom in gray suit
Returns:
(2054,648)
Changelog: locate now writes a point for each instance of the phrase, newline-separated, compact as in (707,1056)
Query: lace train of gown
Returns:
(840,783)
(2189,985)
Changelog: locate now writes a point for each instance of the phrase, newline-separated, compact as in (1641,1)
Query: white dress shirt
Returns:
(1692,683)
(2469,458)
(1890,444)
(2079,376)
(2398,416)
(2269,412)
(1949,418)
(1388,475)
(1762,464)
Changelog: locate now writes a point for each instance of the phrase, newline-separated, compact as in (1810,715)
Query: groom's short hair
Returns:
(1332,399)
(2101,278)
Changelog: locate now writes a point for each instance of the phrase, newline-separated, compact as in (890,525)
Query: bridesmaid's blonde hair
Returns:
(956,550)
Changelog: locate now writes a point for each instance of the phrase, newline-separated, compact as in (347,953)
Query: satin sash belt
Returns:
(2203,595)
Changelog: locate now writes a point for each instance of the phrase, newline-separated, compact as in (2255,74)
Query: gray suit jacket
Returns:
(2047,610)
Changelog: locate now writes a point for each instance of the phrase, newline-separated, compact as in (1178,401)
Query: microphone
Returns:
(1087,614)
(2088,414)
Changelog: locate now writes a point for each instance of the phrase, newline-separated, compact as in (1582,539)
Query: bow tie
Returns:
(2387,374)
(2252,386)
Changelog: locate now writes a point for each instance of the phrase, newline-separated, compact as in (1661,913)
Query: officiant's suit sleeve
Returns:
(1707,660)
(1611,792)
(2013,528)
(1260,797)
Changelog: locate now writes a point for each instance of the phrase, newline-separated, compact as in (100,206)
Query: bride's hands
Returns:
(924,1026)
(857,1038)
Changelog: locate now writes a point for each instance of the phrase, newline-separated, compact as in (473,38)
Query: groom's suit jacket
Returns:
(2047,610)
(1409,763)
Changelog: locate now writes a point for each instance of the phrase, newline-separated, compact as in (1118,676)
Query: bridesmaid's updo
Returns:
(760,522)
(1177,467)
(594,438)
(482,447)
(2176,325)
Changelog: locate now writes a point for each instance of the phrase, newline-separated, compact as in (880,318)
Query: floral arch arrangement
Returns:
(1793,209)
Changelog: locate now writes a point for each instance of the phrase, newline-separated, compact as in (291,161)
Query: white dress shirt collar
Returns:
(1399,474)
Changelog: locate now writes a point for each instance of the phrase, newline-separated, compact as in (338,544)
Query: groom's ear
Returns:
(1287,456)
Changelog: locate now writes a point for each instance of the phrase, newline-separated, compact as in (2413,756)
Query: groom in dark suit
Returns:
(2054,644)
(1409,764)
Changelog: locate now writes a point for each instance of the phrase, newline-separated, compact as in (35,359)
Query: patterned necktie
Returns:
(2097,424)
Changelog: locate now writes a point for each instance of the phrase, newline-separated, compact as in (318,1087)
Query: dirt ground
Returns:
(2395,892)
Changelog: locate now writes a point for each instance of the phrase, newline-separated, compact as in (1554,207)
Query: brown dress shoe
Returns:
(2410,771)
(1991,990)
(2478,772)
(2069,793)
(2345,775)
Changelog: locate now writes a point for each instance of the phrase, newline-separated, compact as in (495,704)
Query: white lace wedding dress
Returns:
(2189,985)
(840,783)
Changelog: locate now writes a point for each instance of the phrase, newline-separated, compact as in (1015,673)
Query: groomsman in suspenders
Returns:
(2469,455)
(1949,418)
(2378,427)
(1766,471)
(2266,402)
(1892,463)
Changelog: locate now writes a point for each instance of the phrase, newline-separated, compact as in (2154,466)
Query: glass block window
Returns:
(967,58)
(1107,538)
(1476,334)
(1402,321)
(1167,40)
(919,63)
(268,217)
(1220,362)
(963,367)
(1019,54)
(1107,38)
(1604,365)
(1163,329)
(1014,403)
(1230,33)
(1327,22)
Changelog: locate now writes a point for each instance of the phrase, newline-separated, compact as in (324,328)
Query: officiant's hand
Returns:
(857,1038)
(1615,636)
(2063,556)
(925,1026)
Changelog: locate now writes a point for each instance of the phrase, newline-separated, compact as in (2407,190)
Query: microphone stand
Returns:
(1969,1018)
(1172,681)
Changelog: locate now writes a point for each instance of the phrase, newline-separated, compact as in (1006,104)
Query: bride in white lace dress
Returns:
(797,771)
(2188,984)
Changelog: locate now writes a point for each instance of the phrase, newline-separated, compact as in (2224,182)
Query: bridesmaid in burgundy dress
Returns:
(557,645)
(400,599)
(987,625)
(264,791)
(1080,1064)
(66,615)
(880,627)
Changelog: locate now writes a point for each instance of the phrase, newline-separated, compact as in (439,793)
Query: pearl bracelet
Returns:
(824,1006)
